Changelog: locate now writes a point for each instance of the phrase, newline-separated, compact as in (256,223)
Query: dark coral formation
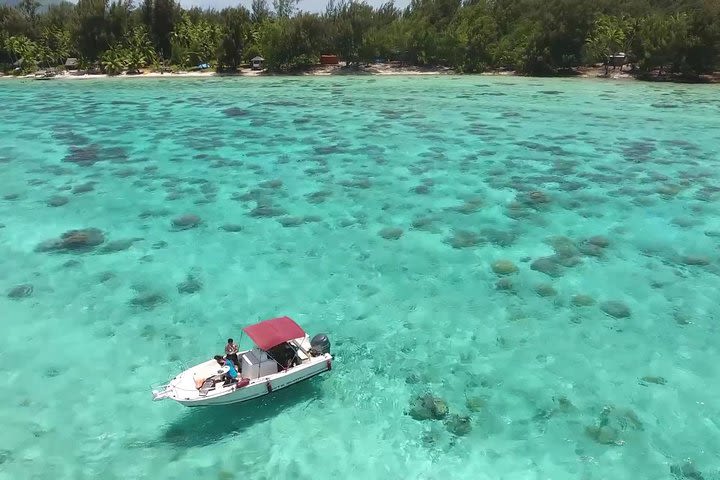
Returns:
(504,267)
(186,221)
(657,380)
(190,285)
(272,184)
(148,299)
(291,221)
(20,291)
(106,276)
(581,300)
(463,239)
(423,223)
(686,471)
(599,241)
(318,197)
(391,233)
(505,284)
(360,182)
(57,201)
(568,254)
(469,206)
(83,156)
(234,112)
(83,188)
(545,290)
(428,407)
(695,260)
(615,309)
(231,227)
(88,155)
(612,424)
(547,265)
(73,241)
(267,211)
(458,425)
(498,238)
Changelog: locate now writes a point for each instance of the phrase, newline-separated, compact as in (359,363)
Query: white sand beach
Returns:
(375,69)
(594,72)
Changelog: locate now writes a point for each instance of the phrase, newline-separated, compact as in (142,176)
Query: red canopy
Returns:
(273,332)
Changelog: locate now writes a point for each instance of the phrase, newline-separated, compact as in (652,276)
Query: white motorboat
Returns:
(283,355)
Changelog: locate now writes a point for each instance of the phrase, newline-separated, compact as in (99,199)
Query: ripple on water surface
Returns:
(519,277)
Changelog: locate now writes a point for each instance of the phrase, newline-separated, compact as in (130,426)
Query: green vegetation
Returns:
(536,37)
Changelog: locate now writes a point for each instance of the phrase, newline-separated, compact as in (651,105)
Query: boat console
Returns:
(256,363)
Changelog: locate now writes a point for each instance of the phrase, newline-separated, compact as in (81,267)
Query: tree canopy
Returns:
(528,36)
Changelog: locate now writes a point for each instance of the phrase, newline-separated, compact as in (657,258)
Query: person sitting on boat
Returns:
(231,375)
(231,352)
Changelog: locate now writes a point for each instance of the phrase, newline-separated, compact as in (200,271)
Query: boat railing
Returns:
(160,391)
(165,390)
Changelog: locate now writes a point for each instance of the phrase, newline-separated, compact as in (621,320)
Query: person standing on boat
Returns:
(231,352)
(231,375)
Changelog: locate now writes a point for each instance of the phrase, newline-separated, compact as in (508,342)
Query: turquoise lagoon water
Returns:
(372,209)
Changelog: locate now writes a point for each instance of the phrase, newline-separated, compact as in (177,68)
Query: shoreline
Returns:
(375,70)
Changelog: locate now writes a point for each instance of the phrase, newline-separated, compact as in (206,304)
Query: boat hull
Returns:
(258,387)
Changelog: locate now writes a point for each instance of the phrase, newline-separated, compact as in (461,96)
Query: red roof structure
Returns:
(273,332)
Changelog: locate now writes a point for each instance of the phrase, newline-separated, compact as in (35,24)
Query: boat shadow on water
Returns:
(206,425)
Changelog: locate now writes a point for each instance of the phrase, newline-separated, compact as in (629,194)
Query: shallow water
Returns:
(372,209)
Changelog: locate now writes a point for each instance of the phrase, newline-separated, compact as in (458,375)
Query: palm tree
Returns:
(114,60)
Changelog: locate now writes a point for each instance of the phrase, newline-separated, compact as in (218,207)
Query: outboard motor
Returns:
(320,344)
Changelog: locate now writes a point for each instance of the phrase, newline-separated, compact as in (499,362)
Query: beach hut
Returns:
(329,59)
(71,64)
(617,60)
(256,63)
